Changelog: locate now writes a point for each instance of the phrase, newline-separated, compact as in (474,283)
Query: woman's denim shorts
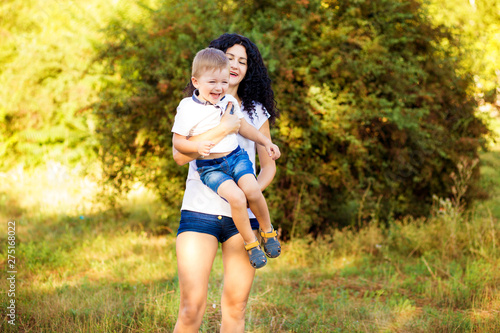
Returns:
(222,227)
(216,171)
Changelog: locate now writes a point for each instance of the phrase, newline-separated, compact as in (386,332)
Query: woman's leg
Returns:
(195,256)
(238,278)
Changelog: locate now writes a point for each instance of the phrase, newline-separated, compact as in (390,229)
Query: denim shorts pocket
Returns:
(200,170)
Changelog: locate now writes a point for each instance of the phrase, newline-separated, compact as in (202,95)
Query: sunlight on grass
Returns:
(55,192)
(64,199)
(128,258)
(340,263)
(52,190)
(95,271)
(102,270)
(403,313)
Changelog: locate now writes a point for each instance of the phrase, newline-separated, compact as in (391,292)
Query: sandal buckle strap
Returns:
(270,234)
(251,245)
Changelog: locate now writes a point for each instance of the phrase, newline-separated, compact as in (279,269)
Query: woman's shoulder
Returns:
(257,108)
(258,105)
(259,115)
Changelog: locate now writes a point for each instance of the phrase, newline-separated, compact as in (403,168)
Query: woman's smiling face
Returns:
(238,60)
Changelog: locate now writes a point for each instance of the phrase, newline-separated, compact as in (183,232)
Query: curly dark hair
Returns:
(256,85)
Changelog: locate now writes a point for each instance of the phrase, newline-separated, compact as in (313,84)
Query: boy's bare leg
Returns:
(248,184)
(238,202)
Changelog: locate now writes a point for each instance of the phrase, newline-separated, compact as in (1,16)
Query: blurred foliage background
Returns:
(380,99)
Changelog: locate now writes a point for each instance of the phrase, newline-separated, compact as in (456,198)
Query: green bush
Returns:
(374,118)
(44,51)
(147,64)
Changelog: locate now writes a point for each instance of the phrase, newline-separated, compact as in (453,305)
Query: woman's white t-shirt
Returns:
(198,197)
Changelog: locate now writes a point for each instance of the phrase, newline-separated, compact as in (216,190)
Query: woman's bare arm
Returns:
(251,133)
(267,164)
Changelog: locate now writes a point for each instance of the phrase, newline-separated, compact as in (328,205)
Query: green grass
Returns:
(490,172)
(83,268)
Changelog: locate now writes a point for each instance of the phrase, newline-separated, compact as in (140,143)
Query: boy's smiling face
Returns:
(212,84)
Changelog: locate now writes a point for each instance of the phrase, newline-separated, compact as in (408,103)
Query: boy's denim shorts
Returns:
(221,227)
(216,171)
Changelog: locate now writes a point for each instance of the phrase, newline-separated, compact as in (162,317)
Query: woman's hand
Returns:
(230,122)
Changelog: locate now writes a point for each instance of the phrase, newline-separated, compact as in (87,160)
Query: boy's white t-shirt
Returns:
(195,117)
(198,197)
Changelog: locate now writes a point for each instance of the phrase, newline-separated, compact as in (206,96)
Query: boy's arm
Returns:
(182,144)
(230,123)
(251,133)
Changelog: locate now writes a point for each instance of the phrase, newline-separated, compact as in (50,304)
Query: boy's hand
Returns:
(273,151)
(204,147)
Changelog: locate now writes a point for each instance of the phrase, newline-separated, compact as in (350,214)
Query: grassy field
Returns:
(83,268)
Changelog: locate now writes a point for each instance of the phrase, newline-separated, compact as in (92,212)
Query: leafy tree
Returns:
(475,26)
(375,114)
(147,66)
(40,93)
(45,85)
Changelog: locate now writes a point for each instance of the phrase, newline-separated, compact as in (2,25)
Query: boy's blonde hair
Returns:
(209,59)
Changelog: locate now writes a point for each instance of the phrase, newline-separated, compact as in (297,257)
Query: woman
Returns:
(205,217)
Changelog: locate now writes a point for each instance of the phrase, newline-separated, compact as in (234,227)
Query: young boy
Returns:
(224,166)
